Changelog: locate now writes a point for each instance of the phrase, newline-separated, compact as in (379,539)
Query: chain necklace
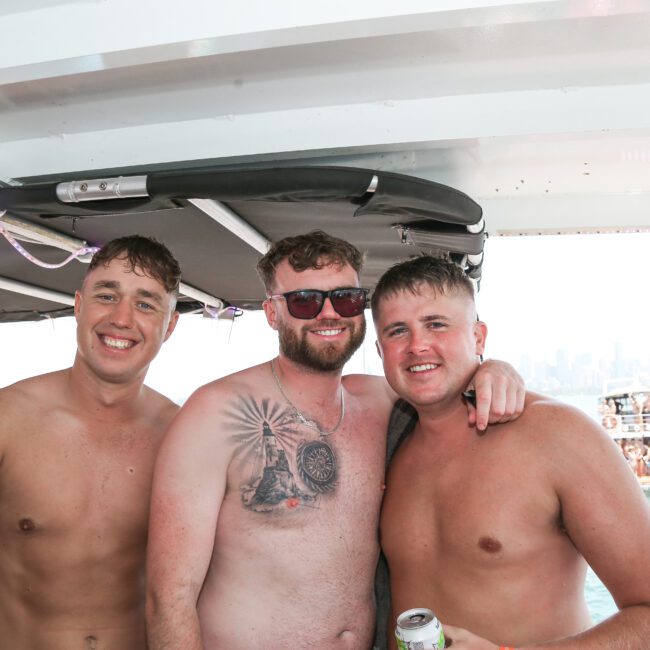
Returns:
(312,424)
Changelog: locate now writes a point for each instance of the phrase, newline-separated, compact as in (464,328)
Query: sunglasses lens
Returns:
(304,304)
(349,302)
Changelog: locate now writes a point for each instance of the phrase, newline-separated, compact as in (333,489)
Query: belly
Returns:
(66,581)
(303,582)
(549,603)
(239,616)
(36,635)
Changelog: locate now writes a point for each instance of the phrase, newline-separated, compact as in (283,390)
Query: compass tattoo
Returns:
(287,471)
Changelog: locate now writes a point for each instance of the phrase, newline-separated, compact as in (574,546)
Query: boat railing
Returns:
(630,425)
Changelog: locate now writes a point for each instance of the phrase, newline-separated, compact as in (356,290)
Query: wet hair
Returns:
(313,250)
(144,253)
(441,274)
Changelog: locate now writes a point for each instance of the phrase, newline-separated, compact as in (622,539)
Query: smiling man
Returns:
(494,532)
(268,486)
(77,449)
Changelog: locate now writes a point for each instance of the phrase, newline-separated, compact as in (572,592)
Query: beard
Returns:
(327,358)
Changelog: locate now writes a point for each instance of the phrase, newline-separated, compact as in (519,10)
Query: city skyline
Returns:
(583,372)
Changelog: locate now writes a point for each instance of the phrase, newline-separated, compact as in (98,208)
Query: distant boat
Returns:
(624,407)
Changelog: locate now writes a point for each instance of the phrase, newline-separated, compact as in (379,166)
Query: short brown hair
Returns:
(145,253)
(441,274)
(310,251)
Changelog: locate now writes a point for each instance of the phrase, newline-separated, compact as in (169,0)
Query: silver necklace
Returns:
(312,424)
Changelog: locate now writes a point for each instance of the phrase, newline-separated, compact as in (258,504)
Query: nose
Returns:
(419,341)
(122,314)
(328,312)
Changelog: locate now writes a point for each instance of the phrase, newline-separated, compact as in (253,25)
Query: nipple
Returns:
(26,525)
(489,544)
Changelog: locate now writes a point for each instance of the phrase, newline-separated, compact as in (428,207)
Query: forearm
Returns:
(628,629)
(173,627)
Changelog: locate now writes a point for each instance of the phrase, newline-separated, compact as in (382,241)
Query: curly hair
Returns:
(310,251)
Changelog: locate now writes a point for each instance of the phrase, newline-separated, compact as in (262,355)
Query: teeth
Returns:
(328,332)
(120,344)
(423,366)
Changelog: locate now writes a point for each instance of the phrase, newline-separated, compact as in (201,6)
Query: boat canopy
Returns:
(218,222)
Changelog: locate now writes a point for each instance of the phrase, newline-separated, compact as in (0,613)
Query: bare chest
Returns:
(58,483)
(287,475)
(474,509)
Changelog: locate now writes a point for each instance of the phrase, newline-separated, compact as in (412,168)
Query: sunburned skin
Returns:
(296,529)
(267,490)
(494,533)
(287,470)
(284,519)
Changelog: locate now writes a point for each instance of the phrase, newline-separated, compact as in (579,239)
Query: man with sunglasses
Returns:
(267,490)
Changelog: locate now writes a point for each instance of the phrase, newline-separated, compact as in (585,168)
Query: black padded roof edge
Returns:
(396,194)
(373,209)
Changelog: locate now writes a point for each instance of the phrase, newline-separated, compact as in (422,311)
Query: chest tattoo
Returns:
(283,468)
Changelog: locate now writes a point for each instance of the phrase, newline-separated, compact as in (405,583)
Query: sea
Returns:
(599,600)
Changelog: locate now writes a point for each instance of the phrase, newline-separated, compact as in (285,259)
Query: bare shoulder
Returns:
(27,402)
(37,393)
(371,387)
(159,409)
(564,436)
(549,416)
(206,412)
(215,395)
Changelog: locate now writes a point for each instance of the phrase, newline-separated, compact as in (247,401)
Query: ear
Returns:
(77,303)
(378,348)
(480,334)
(271,313)
(172,325)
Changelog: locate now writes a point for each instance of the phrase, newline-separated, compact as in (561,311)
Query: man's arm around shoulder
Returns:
(189,485)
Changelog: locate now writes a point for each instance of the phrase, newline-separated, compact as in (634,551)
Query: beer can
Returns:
(419,629)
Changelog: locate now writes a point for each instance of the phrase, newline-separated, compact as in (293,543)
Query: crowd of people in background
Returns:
(637,454)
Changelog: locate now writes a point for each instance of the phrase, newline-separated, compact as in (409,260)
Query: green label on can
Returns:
(401,645)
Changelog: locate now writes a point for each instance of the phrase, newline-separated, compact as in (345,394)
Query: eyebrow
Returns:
(106,284)
(154,295)
(424,319)
(115,285)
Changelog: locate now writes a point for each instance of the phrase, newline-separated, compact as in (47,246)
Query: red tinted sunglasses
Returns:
(308,303)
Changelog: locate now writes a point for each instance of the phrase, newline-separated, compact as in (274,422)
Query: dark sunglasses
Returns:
(308,303)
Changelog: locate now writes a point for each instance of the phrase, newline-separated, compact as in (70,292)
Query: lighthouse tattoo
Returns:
(287,471)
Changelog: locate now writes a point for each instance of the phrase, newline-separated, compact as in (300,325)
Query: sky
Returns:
(579,292)
(538,293)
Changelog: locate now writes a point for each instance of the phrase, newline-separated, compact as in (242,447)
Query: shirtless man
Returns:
(77,449)
(494,532)
(267,488)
